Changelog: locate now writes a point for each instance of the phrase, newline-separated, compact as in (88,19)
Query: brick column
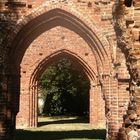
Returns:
(93,113)
(27,116)
(7,115)
(22,119)
(3,99)
(97,108)
(110,89)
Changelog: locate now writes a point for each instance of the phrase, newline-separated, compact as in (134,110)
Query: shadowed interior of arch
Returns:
(65,81)
(76,66)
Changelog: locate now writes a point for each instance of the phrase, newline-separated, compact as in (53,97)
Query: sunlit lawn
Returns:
(61,129)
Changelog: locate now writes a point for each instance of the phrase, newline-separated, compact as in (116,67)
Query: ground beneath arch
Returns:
(61,128)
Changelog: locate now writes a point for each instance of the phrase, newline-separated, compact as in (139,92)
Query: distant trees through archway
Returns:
(64,89)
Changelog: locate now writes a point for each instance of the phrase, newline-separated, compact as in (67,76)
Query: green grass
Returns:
(61,129)
(62,135)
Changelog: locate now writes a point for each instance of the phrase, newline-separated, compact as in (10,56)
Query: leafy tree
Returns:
(65,89)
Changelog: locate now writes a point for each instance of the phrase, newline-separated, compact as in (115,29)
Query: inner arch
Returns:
(59,55)
(77,53)
(86,70)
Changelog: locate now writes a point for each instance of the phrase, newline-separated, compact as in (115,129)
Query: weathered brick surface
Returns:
(129,40)
(103,36)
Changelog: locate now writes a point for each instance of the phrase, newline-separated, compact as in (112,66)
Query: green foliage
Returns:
(65,89)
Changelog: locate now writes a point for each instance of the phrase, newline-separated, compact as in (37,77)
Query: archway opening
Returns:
(62,77)
(64,91)
(88,36)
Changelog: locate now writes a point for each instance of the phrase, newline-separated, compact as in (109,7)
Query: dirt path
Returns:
(61,128)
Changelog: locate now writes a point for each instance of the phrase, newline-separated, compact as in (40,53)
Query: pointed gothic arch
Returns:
(60,17)
(42,66)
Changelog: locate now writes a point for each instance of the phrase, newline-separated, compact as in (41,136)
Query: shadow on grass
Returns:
(60,135)
(76,120)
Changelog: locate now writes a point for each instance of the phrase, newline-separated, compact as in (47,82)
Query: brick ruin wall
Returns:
(127,27)
(118,22)
(49,47)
